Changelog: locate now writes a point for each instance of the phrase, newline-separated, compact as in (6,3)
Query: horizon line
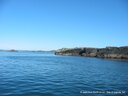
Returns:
(14,49)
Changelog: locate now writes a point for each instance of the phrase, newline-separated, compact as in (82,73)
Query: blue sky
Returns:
(53,24)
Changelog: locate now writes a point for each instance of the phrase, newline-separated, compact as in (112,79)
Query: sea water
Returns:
(46,74)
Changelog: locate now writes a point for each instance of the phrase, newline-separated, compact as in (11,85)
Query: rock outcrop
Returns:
(12,50)
(108,52)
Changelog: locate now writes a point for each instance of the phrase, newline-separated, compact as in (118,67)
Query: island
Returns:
(108,52)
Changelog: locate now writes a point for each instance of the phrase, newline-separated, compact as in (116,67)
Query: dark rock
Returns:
(108,52)
(12,50)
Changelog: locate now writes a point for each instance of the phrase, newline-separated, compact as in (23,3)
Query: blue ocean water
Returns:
(45,74)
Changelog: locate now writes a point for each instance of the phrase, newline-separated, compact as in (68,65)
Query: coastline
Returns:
(108,52)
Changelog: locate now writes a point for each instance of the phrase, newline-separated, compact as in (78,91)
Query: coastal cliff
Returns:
(108,52)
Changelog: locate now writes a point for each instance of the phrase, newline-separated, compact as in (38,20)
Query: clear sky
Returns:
(53,24)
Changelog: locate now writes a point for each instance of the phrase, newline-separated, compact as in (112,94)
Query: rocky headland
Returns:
(108,52)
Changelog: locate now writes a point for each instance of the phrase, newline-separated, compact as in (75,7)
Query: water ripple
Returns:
(30,74)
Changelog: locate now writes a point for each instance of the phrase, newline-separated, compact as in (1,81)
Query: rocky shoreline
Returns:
(108,52)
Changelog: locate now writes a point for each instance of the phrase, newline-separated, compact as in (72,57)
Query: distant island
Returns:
(11,50)
(108,52)
(14,50)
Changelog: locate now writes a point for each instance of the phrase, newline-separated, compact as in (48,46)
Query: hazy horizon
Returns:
(55,24)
